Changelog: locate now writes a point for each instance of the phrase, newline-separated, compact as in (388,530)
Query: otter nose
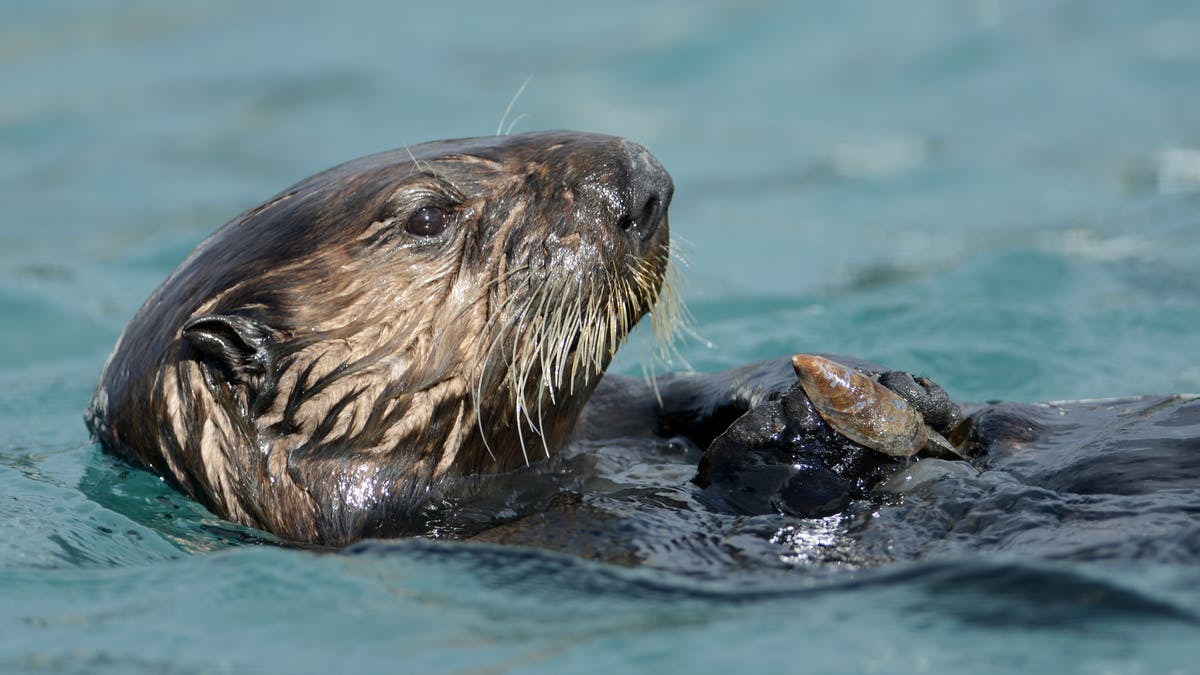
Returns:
(650,192)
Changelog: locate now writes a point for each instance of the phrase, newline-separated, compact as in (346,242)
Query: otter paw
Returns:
(927,397)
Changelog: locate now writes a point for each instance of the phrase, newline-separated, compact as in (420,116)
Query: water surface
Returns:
(1003,195)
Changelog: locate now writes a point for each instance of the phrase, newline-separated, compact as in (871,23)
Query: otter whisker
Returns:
(416,162)
(587,337)
(676,319)
(522,367)
(546,332)
(511,318)
(670,320)
(566,326)
(612,330)
(523,361)
(518,118)
(511,103)
(541,428)
(501,313)
(521,438)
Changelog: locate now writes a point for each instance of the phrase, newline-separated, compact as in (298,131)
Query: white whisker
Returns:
(511,103)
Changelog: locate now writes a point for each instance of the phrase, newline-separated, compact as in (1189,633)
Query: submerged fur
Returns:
(317,370)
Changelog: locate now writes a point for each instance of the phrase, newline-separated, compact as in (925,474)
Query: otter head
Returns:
(404,318)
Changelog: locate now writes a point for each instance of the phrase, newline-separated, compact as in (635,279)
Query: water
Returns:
(1000,194)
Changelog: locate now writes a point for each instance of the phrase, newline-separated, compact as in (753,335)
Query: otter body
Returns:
(329,362)
(413,343)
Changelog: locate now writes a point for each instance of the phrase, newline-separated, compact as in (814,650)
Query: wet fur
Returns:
(314,370)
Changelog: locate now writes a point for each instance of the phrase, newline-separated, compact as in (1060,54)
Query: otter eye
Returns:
(426,221)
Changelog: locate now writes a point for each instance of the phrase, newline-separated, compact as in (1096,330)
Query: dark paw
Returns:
(782,458)
(927,397)
(803,490)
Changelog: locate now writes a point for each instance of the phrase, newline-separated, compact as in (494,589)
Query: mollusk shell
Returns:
(860,408)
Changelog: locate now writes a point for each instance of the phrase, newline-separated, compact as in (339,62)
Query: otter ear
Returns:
(240,345)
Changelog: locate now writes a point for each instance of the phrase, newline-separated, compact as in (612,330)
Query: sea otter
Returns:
(414,342)
(328,361)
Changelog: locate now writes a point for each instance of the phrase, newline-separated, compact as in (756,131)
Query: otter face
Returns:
(429,312)
(508,271)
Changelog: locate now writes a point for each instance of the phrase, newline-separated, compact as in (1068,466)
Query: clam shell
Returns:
(860,408)
(939,446)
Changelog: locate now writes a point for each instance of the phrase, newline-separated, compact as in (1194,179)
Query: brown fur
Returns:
(316,370)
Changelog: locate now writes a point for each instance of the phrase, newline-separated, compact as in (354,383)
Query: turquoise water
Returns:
(1003,195)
